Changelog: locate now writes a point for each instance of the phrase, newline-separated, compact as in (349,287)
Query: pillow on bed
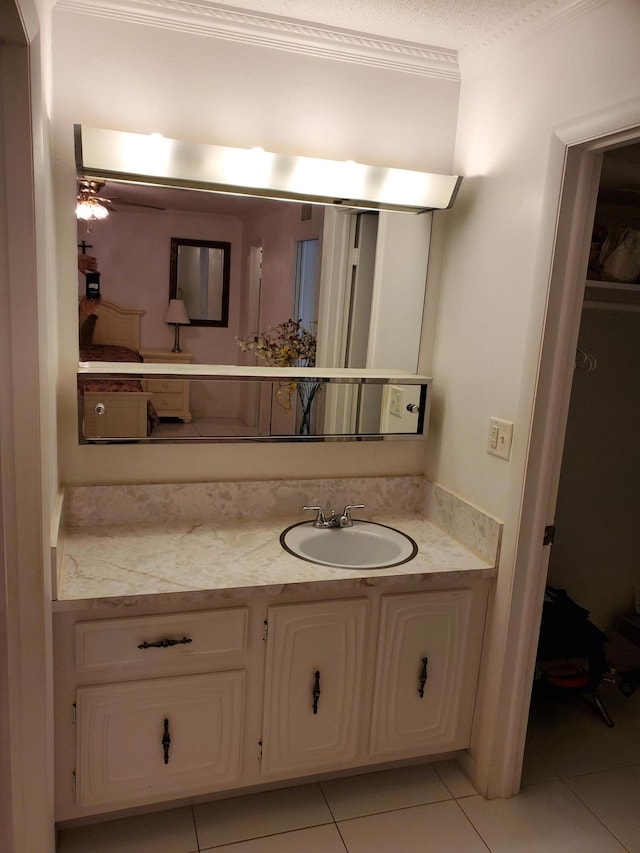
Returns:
(86,330)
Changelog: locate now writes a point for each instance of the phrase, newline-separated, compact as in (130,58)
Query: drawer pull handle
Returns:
(166,741)
(316,691)
(164,644)
(423,677)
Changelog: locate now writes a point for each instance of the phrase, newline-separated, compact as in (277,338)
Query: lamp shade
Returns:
(176,313)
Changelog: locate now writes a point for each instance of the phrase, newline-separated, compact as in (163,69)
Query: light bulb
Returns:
(90,209)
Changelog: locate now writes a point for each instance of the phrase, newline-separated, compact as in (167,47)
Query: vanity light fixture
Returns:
(147,159)
(89,207)
(176,316)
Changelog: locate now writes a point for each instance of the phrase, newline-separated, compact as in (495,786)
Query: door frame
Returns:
(580,143)
(26,431)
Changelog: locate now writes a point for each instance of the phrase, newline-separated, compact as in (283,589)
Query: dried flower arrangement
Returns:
(288,344)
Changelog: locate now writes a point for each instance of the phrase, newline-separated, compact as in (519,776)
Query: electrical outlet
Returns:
(396,401)
(500,438)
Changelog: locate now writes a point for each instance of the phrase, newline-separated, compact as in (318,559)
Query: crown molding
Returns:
(537,20)
(210,19)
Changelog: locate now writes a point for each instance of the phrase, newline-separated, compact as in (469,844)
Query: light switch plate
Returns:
(500,438)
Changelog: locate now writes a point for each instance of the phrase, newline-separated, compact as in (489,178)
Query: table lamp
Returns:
(176,315)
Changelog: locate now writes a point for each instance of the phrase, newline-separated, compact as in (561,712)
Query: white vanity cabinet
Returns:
(313,684)
(281,686)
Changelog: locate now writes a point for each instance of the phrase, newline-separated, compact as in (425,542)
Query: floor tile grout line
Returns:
(324,797)
(594,772)
(195,825)
(335,822)
(590,810)
(344,843)
(472,824)
(270,835)
(453,796)
(397,809)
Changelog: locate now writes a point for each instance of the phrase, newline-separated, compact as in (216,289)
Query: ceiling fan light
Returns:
(89,209)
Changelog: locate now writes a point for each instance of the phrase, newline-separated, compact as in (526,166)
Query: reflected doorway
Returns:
(305,307)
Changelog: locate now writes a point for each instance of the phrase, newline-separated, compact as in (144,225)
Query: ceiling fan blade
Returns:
(126,203)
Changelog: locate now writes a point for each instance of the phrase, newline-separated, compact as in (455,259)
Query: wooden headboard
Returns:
(117,326)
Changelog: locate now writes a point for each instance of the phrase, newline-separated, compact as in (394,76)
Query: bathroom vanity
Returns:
(196,658)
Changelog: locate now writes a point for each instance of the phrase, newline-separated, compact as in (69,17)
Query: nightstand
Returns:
(170,396)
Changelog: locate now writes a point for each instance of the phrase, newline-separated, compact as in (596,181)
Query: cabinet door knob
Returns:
(316,691)
(166,741)
(423,677)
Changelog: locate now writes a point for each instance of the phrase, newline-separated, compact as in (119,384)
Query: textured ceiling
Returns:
(440,23)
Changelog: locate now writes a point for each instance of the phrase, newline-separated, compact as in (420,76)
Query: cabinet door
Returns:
(426,672)
(123,749)
(313,684)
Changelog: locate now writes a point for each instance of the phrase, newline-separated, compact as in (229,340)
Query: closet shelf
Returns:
(612,295)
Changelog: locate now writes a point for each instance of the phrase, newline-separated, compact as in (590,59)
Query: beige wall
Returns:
(203,89)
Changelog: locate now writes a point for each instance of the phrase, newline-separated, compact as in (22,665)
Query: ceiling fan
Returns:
(91,206)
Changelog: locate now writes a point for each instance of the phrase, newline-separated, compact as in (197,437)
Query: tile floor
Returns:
(580,792)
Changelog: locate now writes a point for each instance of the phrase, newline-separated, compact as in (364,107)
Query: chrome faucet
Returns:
(334,520)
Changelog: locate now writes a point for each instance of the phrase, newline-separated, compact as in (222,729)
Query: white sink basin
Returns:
(366,545)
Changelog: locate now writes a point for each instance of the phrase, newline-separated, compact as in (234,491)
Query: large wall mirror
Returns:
(352,278)
(199,276)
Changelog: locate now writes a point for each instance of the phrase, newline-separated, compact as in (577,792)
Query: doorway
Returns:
(305,307)
(583,160)
(594,556)
(595,551)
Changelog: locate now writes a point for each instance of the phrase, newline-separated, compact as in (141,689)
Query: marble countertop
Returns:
(109,562)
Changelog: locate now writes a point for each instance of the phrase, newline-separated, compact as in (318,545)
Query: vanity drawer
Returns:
(161,644)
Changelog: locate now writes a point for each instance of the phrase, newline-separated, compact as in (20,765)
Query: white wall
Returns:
(495,284)
(202,89)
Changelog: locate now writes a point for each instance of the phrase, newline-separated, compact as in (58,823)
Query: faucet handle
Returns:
(320,518)
(345,520)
